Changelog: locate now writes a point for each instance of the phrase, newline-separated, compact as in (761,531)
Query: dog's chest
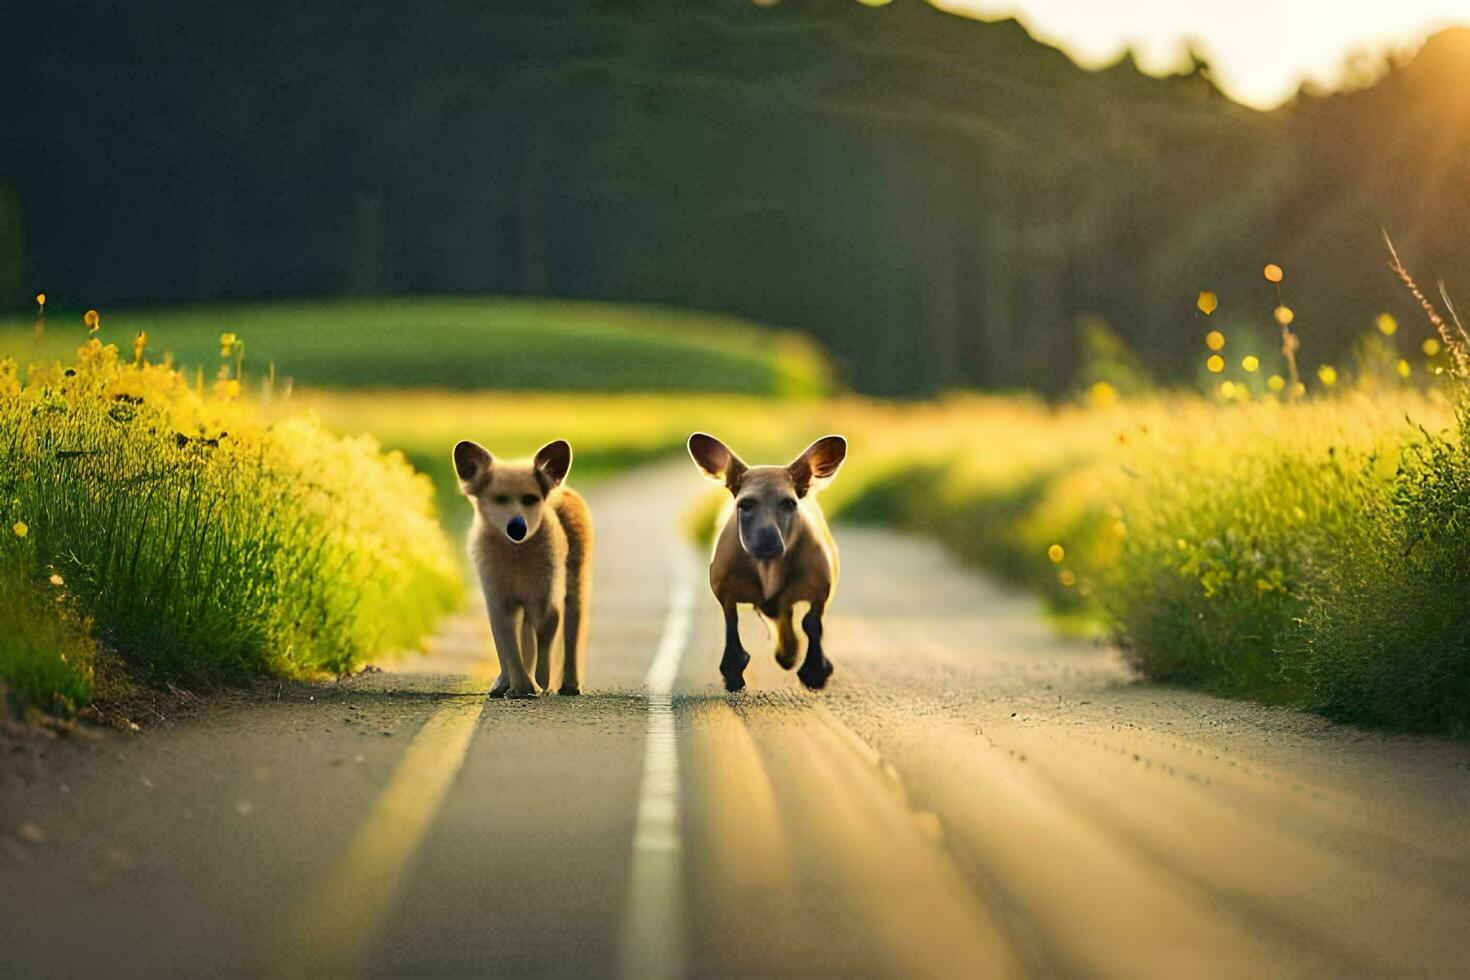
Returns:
(532,573)
(772,575)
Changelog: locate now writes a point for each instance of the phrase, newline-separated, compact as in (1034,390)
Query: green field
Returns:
(462,343)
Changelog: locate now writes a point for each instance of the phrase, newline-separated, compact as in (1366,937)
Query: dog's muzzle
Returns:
(516,529)
(767,545)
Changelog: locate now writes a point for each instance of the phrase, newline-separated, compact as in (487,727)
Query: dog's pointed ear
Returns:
(472,463)
(819,461)
(716,460)
(553,462)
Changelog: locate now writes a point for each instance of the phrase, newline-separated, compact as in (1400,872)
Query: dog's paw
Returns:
(529,691)
(732,669)
(569,692)
(786,660)
(814,676)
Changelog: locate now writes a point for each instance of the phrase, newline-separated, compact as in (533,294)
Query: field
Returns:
(455,342)
(1295,550)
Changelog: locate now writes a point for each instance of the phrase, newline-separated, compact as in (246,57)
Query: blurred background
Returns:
(937,200)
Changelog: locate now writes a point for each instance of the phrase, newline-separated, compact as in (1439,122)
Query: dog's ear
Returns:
(553,462)
(716,460)
(819,461)
(472,463)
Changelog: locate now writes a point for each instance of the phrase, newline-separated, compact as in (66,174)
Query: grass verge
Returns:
(194,538)
(1309,554)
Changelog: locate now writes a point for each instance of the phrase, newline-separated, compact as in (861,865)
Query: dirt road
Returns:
(972,795)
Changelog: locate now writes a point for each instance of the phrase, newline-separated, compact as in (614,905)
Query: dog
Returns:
(774,551)
(531,545)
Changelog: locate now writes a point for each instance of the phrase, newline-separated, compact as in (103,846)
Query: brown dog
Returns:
(775,552)
(531,544)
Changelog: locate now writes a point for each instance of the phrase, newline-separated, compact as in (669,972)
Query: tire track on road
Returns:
(332,930)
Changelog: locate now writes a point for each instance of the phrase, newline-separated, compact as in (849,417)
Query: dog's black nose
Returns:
(516,529)
(768,547)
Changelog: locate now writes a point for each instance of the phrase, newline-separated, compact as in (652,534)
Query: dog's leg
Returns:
(816,668)
(572,629)
(536,656)
(732,664)
(505,624)
(787,645)
(546,641)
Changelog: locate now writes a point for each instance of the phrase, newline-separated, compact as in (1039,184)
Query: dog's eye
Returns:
(788,503)
(747,504)
(502,498)
(530,500)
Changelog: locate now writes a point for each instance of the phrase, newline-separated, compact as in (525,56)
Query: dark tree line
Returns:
(937,200)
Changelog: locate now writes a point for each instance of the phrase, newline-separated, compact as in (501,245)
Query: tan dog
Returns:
(774,552)
(531,544)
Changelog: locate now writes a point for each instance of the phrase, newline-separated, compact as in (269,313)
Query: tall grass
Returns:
(196,537)
(1310,553)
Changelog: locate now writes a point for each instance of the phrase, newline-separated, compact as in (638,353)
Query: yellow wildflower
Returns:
(1102,395)
(41,300)
(1250,363)
(1207,302)
(1214,340)
(1403,368)
(1276,382)
(1284,315)
(1067,579)
(92,320)
(1215,364)
(1430,347)
(57,579)
(1056,553)
(1327,374)
(1387,325)
(1273,272)
(21,529)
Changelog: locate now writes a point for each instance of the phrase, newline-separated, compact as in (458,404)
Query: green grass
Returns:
(457,342)
(197,538)
(1312,554)
(47,653)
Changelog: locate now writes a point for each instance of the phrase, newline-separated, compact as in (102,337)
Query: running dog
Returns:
(531,545)
(774,551)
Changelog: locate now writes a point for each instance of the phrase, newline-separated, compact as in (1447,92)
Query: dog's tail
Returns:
(576,520)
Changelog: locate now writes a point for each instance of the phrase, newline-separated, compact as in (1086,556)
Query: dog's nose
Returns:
(768,546)
(516,529)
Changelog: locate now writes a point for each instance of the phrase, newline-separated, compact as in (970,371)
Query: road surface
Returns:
(972,796)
